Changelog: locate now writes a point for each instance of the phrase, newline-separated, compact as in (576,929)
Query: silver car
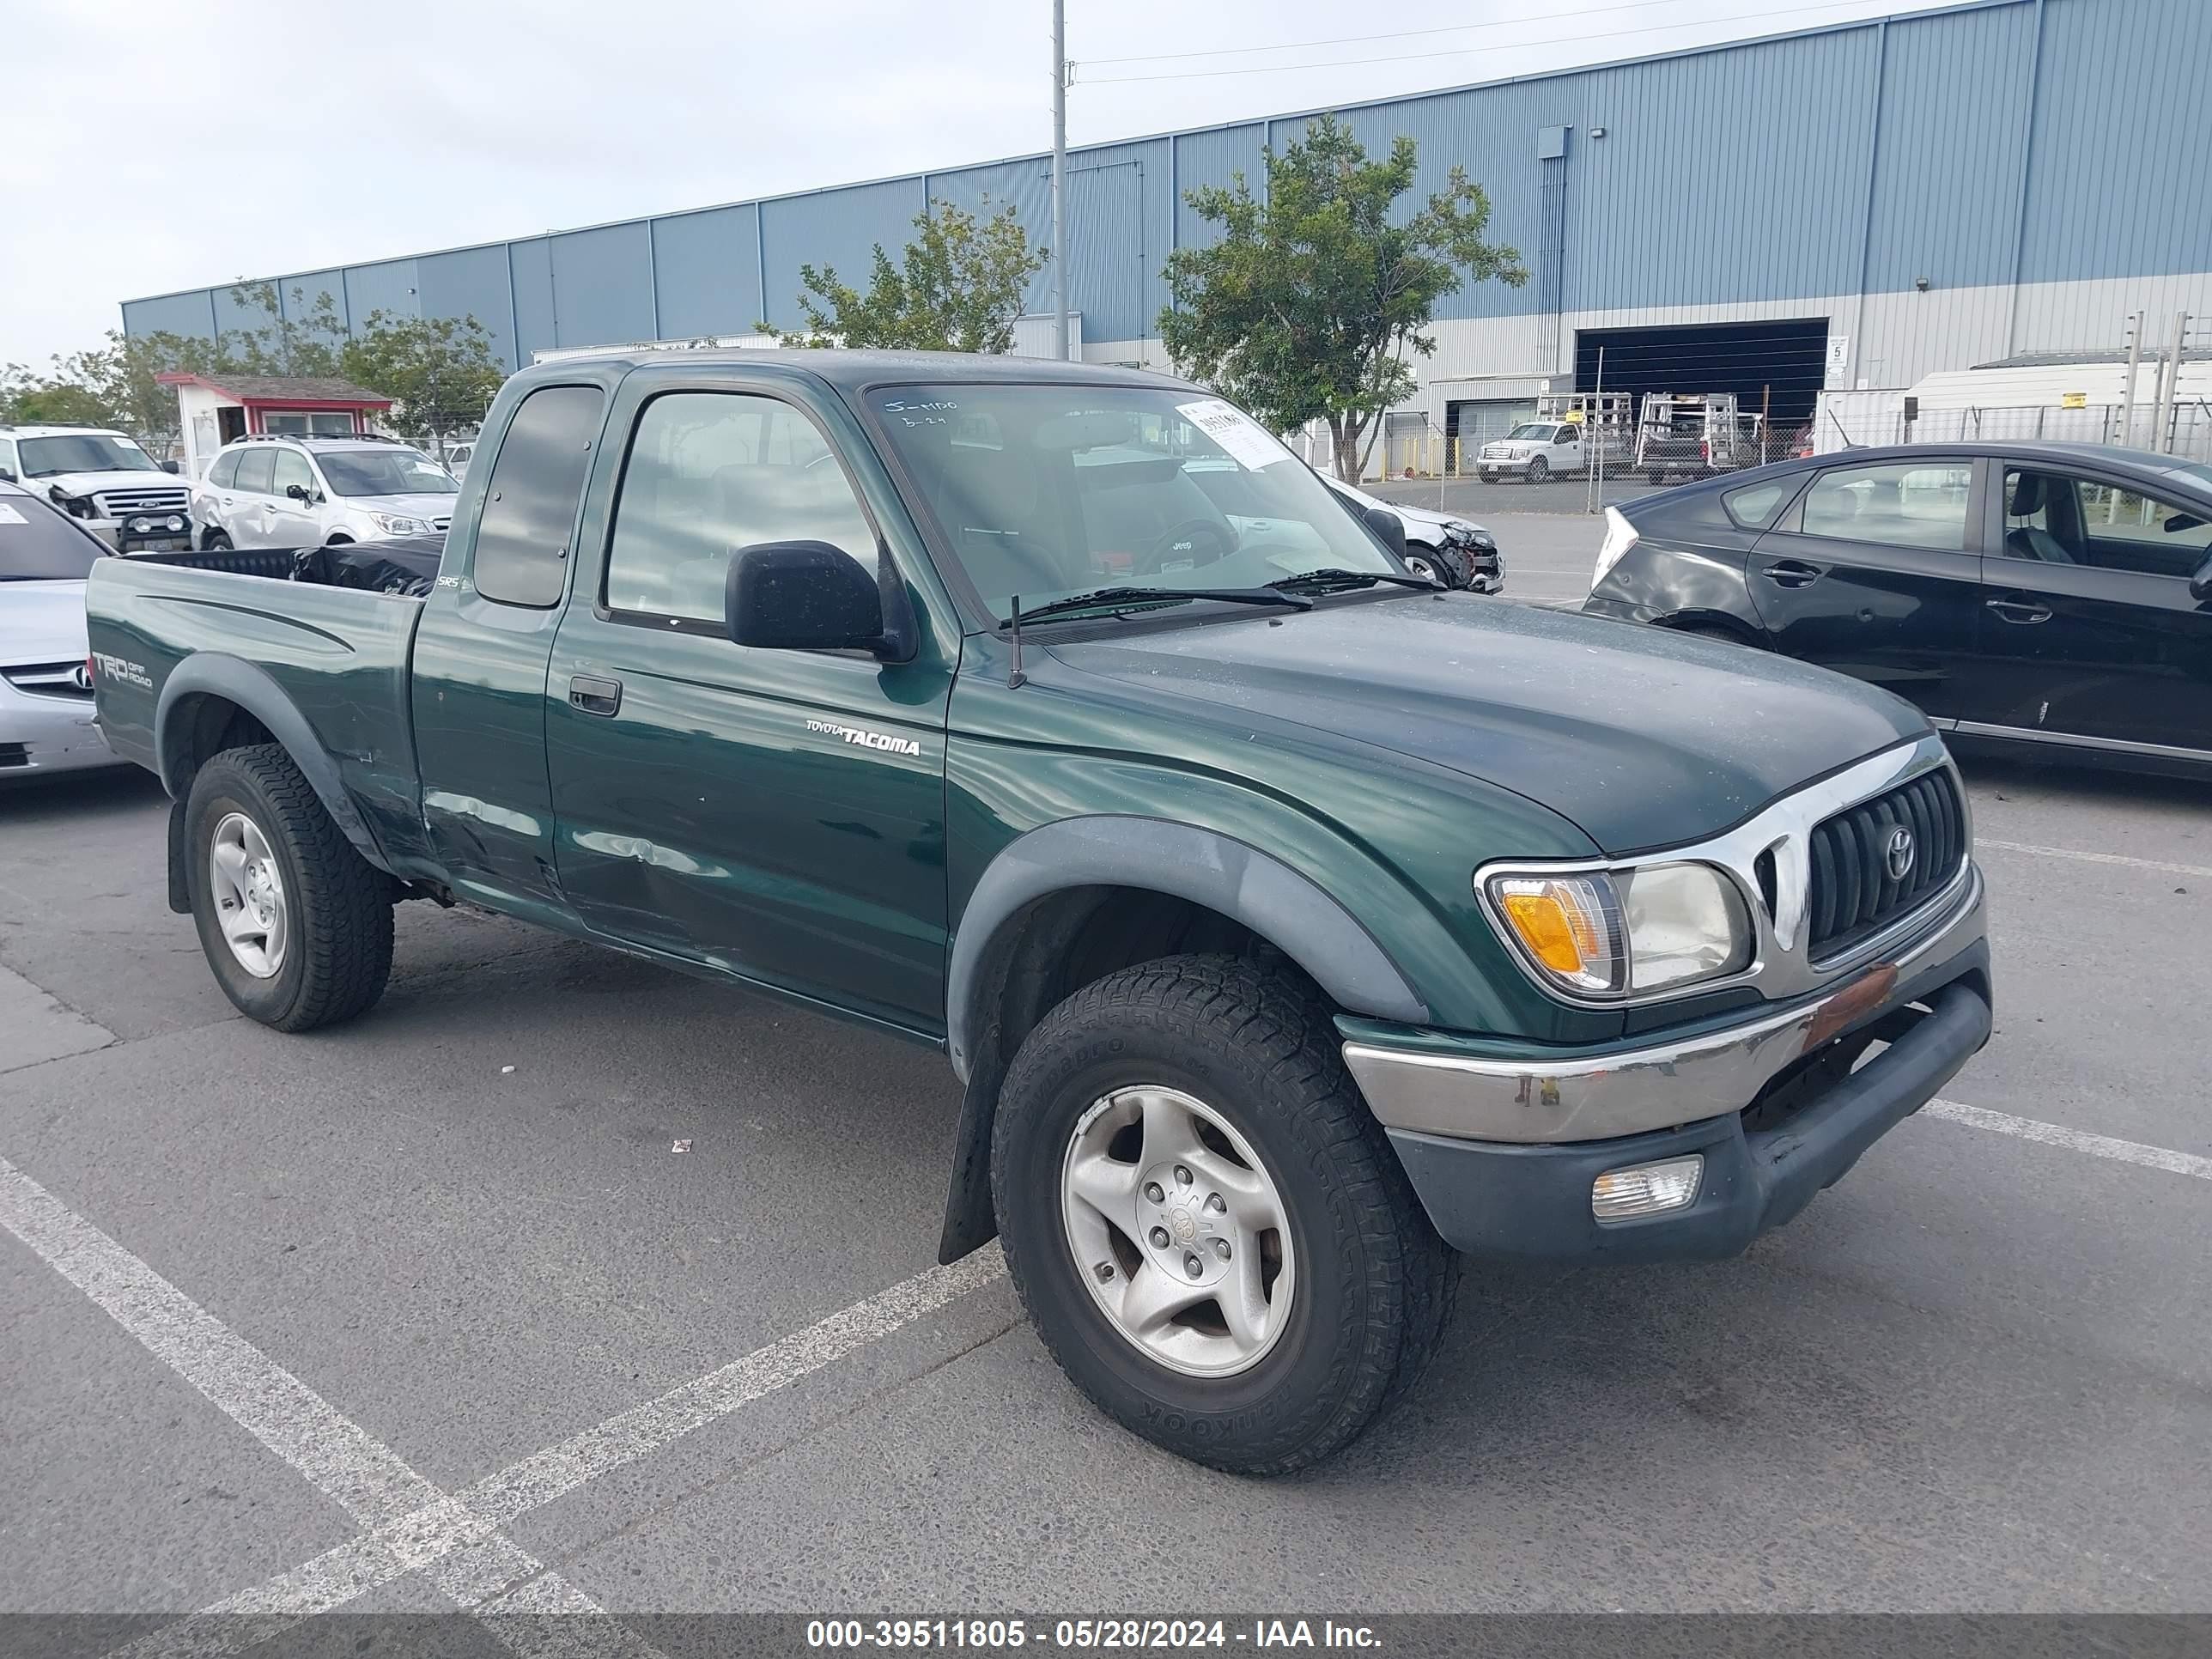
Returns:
(264,491)
(46,685)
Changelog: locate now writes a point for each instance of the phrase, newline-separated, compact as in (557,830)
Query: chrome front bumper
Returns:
(1600,1095)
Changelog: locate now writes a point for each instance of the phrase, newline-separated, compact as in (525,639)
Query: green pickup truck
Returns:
(1295,925)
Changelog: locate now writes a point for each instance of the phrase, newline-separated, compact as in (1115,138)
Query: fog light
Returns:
(140,526)
(1647,1188)
(174,523)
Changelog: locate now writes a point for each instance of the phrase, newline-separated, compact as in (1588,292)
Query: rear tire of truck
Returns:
(296,924)
(1207,1226)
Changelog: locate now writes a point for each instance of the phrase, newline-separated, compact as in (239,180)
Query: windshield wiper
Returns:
(1103,597)
(1335,576)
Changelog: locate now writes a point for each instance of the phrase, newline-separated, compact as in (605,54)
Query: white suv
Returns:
(319,492)
(104,481)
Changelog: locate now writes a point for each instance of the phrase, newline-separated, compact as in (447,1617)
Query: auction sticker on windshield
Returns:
(1248,443)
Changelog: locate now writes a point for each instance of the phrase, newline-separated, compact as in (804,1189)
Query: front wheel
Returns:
(213,541)
(1539,470)
(1434,564)
(1205,1222)
(296,924)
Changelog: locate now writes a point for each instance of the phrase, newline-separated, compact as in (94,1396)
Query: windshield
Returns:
(1535,430)
(1048,490)
(82,451)
(37,545)
(384,472)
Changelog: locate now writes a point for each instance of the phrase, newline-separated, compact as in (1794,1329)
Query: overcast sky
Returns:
(163,144)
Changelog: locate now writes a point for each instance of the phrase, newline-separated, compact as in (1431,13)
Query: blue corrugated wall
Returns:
(2031,141)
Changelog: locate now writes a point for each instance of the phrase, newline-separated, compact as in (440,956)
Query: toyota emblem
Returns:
(1897,853)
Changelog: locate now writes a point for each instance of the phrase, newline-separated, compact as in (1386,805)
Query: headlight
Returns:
(396,524)
(1625,933)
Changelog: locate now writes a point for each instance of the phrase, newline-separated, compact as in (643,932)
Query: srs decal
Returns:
(862,738)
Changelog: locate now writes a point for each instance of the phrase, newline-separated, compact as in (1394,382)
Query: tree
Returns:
(959,289)
(307,340)
(439,371)
(1306,305)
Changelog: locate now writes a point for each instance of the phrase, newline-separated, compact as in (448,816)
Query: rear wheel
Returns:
(1205,1221)
(296,924)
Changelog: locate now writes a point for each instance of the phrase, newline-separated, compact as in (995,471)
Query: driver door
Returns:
(778,814)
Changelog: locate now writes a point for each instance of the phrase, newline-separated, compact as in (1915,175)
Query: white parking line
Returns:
(457,1536)
(2095,858)
(365,1477)
(2073,1140)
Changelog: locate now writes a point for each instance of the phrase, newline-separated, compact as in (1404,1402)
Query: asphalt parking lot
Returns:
(426,1311)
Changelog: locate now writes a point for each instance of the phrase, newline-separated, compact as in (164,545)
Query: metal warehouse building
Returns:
(1851,206)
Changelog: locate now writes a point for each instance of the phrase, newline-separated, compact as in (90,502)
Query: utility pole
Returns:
(2135,321)
(2169,386)
(1059,178)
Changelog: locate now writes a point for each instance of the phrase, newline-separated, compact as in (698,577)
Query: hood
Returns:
(41,622)
(425,507)
(89,483)
(1642,737)
(1513,445)
(1407,514)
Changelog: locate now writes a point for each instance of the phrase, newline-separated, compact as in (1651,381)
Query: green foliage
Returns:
(1306,305)
(959,289)
(439,371)
(308,341)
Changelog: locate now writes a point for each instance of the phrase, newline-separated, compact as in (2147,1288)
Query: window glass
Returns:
(291,469)
(1048,491)
(7,456)
(82,452)
(291,426)
(393,471)
(255,468)
(223,475)
(710,473)
(39,544)
(1897,504)
(530,506)
(2061,520)
(1568,433)
(331,423)
(1754,505)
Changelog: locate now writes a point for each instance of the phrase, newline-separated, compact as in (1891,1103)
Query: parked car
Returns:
(264,491)
(456,457)
(1532,451)
(1289,921)
(2055,598)
(1455,552)
(103,480)
(46,691)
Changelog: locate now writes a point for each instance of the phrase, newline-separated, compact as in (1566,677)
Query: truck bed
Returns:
(175,635)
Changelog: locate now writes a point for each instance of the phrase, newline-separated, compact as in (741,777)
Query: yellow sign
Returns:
(1575,415)
(2073,400)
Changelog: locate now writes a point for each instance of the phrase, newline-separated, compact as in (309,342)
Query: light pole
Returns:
(1059,178)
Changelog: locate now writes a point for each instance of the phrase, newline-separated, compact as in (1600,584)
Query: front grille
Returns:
(1852,896)
(51,679)
(15,754)
(124,503)
(441,525)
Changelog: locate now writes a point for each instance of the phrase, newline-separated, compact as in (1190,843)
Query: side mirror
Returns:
(810,596)
(2200,585)
(298,492)
(171,468)
(7,475)
(1390,526)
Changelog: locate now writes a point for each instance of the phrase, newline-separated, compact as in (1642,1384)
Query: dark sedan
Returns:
(2053,596)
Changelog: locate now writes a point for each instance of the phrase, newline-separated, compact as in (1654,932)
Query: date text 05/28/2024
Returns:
(988,1634)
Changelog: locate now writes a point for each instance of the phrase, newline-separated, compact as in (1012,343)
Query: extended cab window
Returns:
(1895,504)
(709,474)
(2062,521)
(530,506)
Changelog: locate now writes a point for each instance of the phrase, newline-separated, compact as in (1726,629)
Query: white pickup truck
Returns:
(1533,450)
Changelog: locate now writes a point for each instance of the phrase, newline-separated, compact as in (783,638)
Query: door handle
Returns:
(594,697)
(2022,611)
(1791,573)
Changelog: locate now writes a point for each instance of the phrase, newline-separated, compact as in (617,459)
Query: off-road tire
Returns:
(338,939)
(1375,1282)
